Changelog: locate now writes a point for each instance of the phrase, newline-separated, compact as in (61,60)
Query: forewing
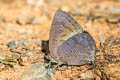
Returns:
(63,27)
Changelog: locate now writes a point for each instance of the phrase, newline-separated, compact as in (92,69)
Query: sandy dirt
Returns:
(25,24)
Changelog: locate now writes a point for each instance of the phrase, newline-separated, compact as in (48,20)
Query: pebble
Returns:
(39,43)
(114,9)
(36,21)
(12,44)
(87,75)
(88,24)
(22,41)
(101,36)
(38,71)
(17,66)
(25,19)
(15,56)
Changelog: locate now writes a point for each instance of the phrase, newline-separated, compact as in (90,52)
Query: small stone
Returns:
(114,9)
(15,56)
(39,43)
(25,19)
(17,66)
(87,75)
(12,44)
(36,21)
(88,24)
(38,71)
(101,36)
(22,41)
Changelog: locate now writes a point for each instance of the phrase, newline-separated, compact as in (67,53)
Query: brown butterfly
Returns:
(68,42)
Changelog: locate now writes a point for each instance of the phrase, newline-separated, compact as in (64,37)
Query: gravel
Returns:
(38,71)
(12,44)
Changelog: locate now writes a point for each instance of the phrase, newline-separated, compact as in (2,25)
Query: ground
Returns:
(24,32)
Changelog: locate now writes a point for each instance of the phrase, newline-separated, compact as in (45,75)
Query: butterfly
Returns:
(68,42)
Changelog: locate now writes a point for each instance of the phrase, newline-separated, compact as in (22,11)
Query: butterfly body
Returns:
(68,42)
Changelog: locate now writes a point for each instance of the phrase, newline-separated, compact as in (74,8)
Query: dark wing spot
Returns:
(67,43)
(75,40)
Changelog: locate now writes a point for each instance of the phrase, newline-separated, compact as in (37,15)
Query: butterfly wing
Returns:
(77,50)
(63,27)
